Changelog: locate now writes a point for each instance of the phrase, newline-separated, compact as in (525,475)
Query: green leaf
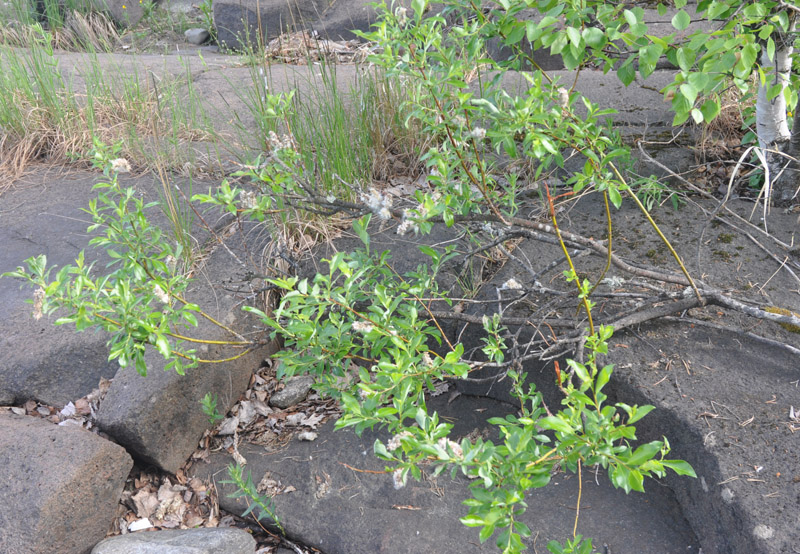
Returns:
(774,90)
(648,58)
(749,55)
(699,81)
(644,453)
(619,477)
(635,481)
(418,6)
(162,345)
(697,115)
(689,92)
(680,467)
(556,424)
(360,227)
(710,109)
(532,31)
(716,9)
(574,36)
(681,20)
(486,533)
(594,37)
(626,72)
(472,521)
(685,58)
(605,374)
(615,197)
(639,412)
(580,370)
(141,367)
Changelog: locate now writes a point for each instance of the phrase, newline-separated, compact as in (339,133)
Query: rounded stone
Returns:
(295,390)
(196,36)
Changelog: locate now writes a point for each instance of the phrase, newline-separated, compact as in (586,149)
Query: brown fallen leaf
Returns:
(146,503)
(82,407)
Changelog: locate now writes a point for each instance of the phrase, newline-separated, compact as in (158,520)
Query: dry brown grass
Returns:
(716,139)
(57,127)
(92,31)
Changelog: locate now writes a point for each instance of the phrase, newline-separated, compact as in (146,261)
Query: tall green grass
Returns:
(346,137)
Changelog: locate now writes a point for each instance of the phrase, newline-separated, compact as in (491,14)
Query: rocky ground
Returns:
(727,401)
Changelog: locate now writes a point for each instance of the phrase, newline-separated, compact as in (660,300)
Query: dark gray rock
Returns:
(6,398)
(60,486)
(158,418)
(38,360)
(125,13)
(345,504)
(295,389)
(241,24)
(187,541)
(196,36)
(726,369)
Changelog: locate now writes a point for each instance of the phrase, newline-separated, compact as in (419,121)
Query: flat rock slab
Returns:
(341,506)
(60,486)
(221,82)
(42,214)
(188,541)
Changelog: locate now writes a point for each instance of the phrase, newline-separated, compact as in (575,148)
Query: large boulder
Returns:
(186,541)
(241,24)
(60,486)
(158,418)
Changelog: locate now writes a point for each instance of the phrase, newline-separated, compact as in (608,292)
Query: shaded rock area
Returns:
(721,393)
(189,541)
(59,485)
(125,13)
(344,502)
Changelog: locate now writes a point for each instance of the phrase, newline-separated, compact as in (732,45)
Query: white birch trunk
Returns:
(772,124)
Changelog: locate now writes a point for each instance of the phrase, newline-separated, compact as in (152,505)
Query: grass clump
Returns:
(345,138)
